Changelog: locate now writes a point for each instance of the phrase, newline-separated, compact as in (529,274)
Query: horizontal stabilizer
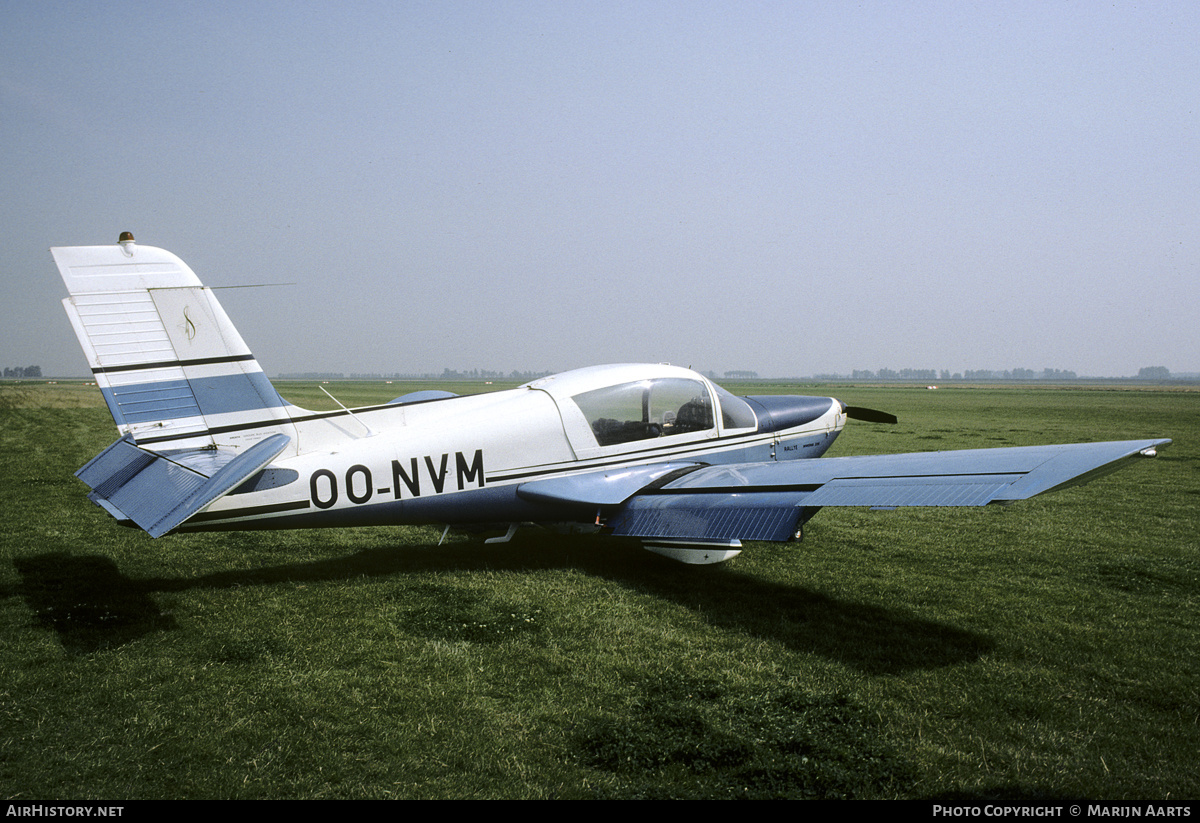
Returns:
(158,493)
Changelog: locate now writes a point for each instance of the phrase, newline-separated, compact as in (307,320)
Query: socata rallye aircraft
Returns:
(654,452)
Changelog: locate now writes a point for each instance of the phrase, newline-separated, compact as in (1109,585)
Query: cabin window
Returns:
(735,412)
(646,409)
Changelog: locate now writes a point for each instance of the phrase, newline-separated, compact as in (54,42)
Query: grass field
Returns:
(1046,650)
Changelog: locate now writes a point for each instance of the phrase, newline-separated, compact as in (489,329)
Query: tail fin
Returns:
(174,371)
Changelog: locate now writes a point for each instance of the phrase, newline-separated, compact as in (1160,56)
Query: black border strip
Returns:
(252,511)
(663,453)
(169,364)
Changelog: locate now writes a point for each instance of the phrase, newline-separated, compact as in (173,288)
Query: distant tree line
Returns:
(889,374)
(927,375)
(22,371)
(1147,373)
(969,374)
(445,374)
(488,374)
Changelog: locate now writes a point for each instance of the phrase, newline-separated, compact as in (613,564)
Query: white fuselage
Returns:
(461,459)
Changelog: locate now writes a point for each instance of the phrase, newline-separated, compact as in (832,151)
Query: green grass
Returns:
(1046,650)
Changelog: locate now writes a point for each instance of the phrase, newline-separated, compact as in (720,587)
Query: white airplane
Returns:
(655,452)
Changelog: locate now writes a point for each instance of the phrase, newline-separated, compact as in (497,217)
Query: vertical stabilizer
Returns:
(174,371)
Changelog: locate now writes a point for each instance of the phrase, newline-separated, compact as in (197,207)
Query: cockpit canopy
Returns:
(609,406)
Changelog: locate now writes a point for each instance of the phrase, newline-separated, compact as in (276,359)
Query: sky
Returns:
(793,188)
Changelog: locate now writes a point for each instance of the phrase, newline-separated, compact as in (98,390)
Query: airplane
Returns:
(647,451)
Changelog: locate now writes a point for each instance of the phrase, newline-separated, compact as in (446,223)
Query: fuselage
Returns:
(459,460)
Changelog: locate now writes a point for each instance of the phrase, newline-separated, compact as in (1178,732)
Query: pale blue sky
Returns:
(791,187)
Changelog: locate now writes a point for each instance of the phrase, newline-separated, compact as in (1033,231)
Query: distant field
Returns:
(1048,650)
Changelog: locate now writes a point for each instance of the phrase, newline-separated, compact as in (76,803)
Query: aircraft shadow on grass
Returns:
(92,605)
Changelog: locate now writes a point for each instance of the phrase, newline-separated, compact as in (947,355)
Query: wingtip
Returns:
(1152,449)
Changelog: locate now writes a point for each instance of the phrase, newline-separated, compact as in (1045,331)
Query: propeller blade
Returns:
(869,415)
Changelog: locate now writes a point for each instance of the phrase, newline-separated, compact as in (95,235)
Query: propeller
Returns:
(869,415)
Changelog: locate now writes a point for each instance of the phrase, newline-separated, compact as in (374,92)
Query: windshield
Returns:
(735,412)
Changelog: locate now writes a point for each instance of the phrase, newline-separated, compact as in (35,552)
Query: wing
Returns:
(765,501)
